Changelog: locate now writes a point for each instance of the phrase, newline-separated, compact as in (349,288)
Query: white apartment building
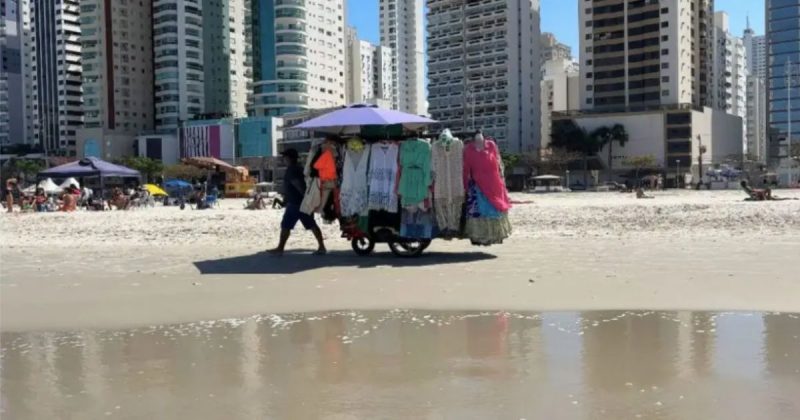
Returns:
(560,90)
(729,73)
(756,51)
(369,72)
(227,56)
(402,30)
(15,104)
(298,55)
(178,62)
(756,120)
(643,54)
(552,49)
(484,71)
(56,74)
(117,58)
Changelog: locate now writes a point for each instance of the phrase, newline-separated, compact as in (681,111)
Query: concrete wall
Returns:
(105,144)
(169,147)
(645,133)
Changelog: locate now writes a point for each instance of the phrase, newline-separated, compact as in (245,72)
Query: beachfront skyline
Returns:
(559,17)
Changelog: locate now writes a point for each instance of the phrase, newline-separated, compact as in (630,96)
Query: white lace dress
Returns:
(448,184)
(383,169)
(354,189)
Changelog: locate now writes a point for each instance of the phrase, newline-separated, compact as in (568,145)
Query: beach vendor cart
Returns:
(374,174)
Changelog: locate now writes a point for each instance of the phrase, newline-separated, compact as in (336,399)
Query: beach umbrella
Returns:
(359,118)
(177,184)
(154,190)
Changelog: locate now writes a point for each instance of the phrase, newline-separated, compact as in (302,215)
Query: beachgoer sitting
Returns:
(640,193)
(40,201)
(257,203)
(200,200)
(119,200)
(69,201)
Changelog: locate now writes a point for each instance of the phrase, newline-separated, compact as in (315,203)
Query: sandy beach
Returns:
(593,251)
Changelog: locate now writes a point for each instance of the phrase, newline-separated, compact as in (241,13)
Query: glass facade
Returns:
(783,45)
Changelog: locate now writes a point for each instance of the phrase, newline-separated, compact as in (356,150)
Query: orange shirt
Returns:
(326,166)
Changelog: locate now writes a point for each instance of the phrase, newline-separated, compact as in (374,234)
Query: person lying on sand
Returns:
(257,203)
(756,194)
(640,193)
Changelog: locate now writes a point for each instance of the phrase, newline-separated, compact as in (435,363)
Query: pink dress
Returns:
(483,167)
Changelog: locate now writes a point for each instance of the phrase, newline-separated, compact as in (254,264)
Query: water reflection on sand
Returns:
(412,364)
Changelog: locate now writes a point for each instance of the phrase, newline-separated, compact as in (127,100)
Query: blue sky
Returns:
(560,17)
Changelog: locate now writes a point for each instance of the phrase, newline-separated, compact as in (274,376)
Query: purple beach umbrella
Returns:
(351,119)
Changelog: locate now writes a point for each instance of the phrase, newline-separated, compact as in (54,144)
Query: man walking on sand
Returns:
(294,188)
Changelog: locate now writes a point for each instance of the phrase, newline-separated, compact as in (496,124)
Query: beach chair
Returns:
(212,201)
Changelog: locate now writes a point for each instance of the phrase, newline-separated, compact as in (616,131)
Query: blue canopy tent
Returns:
(90,167)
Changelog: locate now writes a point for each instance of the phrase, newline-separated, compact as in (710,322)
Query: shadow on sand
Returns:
(297,262)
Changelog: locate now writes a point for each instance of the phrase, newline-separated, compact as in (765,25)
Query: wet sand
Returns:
(680,251)
(415,364)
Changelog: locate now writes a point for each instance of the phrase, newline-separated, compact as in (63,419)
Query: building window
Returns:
(665,92)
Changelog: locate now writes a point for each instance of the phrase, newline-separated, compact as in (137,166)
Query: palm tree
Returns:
(568,135)
(607,136)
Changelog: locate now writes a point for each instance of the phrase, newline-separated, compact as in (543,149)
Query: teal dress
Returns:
(415,172)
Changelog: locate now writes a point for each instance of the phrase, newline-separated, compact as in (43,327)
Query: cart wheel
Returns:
(363,246)
(409,249)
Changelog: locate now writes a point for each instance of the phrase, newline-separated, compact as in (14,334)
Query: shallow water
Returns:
(412,364)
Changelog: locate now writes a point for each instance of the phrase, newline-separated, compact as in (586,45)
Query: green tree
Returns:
(149,168)
(607,136)
(183,171)
(568,135)
(27,168)
(641,162)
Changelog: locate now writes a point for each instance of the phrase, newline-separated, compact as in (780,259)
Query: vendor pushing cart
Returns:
(385,181)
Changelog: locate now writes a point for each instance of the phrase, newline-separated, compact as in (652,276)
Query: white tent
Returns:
(49,186)
(70,181)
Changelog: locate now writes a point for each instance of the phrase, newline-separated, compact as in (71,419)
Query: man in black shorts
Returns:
(294,188)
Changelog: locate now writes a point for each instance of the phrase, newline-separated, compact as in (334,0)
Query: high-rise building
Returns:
(117,58)
(729,74)
(560,91)
(56,79)
(298,55)
(484,71)
(178,62)
(756,120)
(783,49)
(13,54)
(227,56)
(402,30)
(756,51)
(552,49)
(369,71)
(643,54)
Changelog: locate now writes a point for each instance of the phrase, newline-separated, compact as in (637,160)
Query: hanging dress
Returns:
(354,190)
(382,177)
(415,172)
(487,198)
(448,185)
